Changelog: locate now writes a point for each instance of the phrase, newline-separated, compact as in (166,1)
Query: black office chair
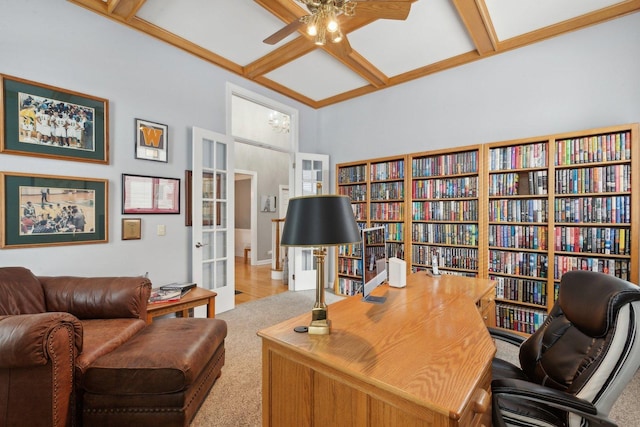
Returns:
(574,367)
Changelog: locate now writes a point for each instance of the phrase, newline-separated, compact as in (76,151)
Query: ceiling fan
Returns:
(322,20)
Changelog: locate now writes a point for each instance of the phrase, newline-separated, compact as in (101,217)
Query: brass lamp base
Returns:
(320,325)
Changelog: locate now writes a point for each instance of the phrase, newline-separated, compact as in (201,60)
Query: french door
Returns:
(213,218)
(310,177)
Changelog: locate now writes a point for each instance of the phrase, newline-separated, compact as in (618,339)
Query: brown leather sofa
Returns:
(76,351)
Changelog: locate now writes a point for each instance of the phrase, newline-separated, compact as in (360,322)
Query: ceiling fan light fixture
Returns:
(332,22)
(336,37)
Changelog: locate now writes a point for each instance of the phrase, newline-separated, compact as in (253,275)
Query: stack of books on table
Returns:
(170,292)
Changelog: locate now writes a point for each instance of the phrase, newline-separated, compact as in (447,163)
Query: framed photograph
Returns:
(47,121)
(268,204)
(47,210)
(152,141)
(150,195)
(131,228)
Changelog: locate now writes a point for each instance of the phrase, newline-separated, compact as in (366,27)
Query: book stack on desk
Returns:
(170,292)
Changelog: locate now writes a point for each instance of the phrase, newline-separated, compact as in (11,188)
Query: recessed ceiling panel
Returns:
(512,18)
(232,29)
(317,75)
(432,32)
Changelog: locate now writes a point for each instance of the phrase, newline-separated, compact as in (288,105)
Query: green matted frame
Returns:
(30,218)
(21,101)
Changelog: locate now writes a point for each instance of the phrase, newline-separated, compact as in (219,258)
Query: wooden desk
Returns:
(423,358)
(194,298)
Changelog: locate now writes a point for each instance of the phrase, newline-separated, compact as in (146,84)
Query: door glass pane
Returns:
(208,247)
(221,185)
(207,275)
(207,185)
(221,156)
(208,214)
(221,214)
(221,244)
(221,274)
(307,259)
(207,153)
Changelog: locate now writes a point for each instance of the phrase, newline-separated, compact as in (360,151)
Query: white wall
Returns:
(584,79)
(57,43)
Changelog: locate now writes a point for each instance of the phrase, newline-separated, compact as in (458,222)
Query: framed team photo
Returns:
(48,210)
(152,142)
(47,121)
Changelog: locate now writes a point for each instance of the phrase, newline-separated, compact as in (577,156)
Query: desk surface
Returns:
(426,344)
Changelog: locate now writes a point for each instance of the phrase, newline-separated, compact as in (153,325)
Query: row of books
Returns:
(170,292)
(518,157)
(387,211)
(348,286)
(464,258)
(387,190)
(351,174)
(446,164)
(357,192)
(350,266)
(518,263)
(614,267)
(518,210)
(465,186)
(597,240)
(387,170)
(521,290)
(521,319)
(518,236)
(359,211)
(392,230)
(449,234)
(597,179)
(594,148)
(518,183)
(378,252)
(395,250)
(445,210)
(354,250)
(461,273)
(607,209)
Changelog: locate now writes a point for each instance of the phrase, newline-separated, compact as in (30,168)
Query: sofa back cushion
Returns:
(21,292)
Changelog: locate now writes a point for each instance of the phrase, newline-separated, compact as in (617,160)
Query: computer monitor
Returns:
(374,262)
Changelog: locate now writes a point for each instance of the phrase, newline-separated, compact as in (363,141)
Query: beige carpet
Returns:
(235,399)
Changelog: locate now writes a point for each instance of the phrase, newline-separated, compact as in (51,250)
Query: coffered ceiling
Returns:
(376,54)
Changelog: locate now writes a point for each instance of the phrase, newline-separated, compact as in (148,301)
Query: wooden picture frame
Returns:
(46,121)
(49,210)
(152,141)
(150,195)
(131,228)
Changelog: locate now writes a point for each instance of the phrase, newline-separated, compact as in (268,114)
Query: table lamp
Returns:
(320,221)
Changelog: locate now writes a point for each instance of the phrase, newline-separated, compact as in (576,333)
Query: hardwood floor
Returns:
(255,282)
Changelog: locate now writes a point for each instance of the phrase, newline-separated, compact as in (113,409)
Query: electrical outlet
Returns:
(162,230)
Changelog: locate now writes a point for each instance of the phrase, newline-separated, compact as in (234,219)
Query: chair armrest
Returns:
(520,389)
(97,297)
(23,338)
(506,336)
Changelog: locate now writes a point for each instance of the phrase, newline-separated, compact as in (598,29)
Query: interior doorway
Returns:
(245,207)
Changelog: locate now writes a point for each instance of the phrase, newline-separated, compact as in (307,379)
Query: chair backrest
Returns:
(20,292)
(589,344)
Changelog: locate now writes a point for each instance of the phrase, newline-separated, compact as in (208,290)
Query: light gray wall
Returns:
(243,204)
(63,45)
(584,79)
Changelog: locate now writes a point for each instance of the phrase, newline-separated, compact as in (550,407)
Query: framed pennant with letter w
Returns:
(152,142)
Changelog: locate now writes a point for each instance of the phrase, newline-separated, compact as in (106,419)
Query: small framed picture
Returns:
(48,210)
(131,228)
(152,141)
(150,195)
(46,121)
(268,204)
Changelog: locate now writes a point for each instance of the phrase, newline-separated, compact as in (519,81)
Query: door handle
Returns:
(199,245)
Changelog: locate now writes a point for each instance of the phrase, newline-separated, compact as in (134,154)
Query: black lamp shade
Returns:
(325,220)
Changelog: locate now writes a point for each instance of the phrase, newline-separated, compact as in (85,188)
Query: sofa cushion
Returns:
(102,336)
(165,357)
(21,292)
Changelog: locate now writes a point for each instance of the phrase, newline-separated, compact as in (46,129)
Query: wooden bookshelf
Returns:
(377,191)
(446,211)
(520,212)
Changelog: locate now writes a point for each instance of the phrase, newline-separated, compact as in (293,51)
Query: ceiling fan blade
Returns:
(283,32)
(393,9)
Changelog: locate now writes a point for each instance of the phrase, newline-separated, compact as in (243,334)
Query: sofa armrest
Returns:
(24,338)
(97,297)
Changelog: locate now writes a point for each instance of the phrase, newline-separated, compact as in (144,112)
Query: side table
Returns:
(194,298)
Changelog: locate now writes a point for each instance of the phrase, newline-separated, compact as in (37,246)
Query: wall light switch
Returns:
(162,230)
